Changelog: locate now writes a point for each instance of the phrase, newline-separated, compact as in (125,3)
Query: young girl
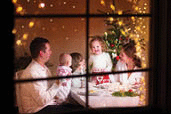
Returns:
(99,60)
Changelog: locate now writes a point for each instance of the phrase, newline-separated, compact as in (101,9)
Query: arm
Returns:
(66,85)
(90,63)
(38,90)
(117,77)
(108,63)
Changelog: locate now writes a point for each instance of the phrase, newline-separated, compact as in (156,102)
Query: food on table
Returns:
(128,93)
(92,91)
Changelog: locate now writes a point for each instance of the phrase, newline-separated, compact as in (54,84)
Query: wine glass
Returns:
(99,79)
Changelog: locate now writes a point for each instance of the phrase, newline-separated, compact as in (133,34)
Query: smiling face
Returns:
(124,58)
(96,47)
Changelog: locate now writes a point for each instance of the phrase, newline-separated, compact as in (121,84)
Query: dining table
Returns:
(100,96)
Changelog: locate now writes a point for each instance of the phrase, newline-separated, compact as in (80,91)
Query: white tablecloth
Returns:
(104,99)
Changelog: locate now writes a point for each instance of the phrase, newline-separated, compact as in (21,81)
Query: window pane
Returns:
(117,32)
(119,6)
(66,35)
(50,6)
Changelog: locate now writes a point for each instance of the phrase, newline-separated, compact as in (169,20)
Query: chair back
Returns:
(17,90)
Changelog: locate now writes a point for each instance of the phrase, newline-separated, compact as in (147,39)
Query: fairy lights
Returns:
(42,5)
(31,24)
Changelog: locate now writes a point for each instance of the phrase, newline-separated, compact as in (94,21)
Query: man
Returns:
(38,95)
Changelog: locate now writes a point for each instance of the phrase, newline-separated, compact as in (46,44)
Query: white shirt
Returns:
(76,82)
(64,71)
(102,61)
(123,77)
(38,94)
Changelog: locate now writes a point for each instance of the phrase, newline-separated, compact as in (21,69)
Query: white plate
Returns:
(102,86)
(90,94)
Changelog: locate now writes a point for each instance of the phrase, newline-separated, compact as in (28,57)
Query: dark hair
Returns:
(37,45)
(76,59)
(130,51)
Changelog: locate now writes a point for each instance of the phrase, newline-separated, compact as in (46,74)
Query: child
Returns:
(64,70)
(99,60)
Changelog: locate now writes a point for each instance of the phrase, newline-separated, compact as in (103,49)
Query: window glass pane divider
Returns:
(76,76)
(87,51)
(79,15)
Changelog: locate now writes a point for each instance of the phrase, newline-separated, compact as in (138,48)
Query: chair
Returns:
(17,90)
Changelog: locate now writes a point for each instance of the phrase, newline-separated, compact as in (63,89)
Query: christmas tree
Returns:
(121,30)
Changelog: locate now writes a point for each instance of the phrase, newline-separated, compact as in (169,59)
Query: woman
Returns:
(128,61)
(78,67)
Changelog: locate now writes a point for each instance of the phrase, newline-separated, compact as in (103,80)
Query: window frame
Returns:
(87,15)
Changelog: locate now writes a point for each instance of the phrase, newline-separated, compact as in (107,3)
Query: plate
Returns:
(102,86)
(91,93)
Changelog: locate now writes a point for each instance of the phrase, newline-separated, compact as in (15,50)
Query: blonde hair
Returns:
(64,58)
(102,42)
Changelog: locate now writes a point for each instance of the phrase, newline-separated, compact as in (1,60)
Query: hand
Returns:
(57,82)
(56,97)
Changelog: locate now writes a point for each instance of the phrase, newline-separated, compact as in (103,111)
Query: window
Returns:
(69,25)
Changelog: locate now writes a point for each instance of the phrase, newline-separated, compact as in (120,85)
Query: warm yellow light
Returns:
(142,97)
(138,54)
(142,79)
(123,32)
(138,43)
(19,9)
(120,12)
(25,36)
(131,35)
(138,28)
(31,24)
(144,65)
(14,31)
(14,1)
(73,7)
(120,23)
(136,8)
(102,2)
(133,18)
(111,19)
(105,33)
(18,42)
(41,5)
(112,7)
(145,4)
(138,48)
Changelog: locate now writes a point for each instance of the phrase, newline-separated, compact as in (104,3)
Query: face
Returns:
(69,61)
(46,55)
(96,47)
(123,57)
(82,64)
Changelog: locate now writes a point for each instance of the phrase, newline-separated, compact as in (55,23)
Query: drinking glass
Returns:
(99,79)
